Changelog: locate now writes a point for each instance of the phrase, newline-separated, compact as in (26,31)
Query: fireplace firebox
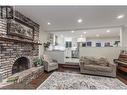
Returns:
(20,64)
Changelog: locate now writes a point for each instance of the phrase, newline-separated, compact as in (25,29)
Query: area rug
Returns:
(61,80)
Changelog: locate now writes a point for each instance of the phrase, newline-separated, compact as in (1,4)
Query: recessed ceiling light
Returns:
(80,20)
(49,23)
(97,35)
(72,31)
(84,32)
(120,16)
(108,31)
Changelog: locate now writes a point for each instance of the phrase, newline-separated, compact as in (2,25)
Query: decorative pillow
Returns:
(95,61)
(89,60)
(103,62)
(47,58)
(81,58)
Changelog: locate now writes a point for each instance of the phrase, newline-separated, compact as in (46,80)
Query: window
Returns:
(68,44)
(89,44)
(83,44)
(98,44)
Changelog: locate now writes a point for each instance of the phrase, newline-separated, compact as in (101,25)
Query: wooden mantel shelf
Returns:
(18,41)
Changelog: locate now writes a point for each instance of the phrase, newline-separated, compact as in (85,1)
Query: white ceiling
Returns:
(65,17)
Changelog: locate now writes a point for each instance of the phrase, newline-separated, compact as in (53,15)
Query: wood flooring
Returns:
(38,81)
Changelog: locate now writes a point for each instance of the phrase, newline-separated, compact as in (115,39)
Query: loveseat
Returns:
(97,66)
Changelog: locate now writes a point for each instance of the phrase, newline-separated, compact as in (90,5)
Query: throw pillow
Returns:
(103,62)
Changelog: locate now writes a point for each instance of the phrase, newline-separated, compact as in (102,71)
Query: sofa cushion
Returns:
(97,68)
(102,62)
(89,60)
(95,61)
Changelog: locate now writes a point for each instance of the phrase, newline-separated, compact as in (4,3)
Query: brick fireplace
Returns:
(17,53)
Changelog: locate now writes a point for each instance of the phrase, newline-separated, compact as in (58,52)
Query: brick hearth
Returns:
(11,51)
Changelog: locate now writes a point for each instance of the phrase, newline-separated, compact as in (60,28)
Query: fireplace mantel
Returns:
(18,41)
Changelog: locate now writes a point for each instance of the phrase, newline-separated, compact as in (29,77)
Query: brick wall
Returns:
(11,51)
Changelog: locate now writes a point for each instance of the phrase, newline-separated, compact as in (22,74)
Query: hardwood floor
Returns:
(45,75)
(62,68)
(36,82)
(122,76)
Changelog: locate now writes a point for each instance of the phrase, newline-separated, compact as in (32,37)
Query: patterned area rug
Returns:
(61,80)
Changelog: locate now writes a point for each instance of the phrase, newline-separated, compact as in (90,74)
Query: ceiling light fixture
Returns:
(80,20)
(97,35)
(49,23)
(84,32)
(108,31)
(72,31)
(120,16)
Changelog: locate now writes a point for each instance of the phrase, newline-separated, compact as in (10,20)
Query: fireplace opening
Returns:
(20,64)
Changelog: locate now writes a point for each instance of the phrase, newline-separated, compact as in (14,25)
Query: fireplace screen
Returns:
(20,64)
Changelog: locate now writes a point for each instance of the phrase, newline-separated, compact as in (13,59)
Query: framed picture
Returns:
(19,28)
(107,44)
(89,44)
(98,44)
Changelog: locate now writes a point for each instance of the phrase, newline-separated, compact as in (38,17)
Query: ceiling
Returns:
(64,18)
(92,33)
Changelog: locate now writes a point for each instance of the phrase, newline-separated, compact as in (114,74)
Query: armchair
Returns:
(49,63)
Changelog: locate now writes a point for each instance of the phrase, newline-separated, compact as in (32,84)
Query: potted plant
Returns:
(46,45)
(116,43)
(38,62)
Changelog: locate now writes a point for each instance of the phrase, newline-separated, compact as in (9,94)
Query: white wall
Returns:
(57,55)
(43,36)
(74,42)
(103,40)
(107,52)
(62,40)
(123,35)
